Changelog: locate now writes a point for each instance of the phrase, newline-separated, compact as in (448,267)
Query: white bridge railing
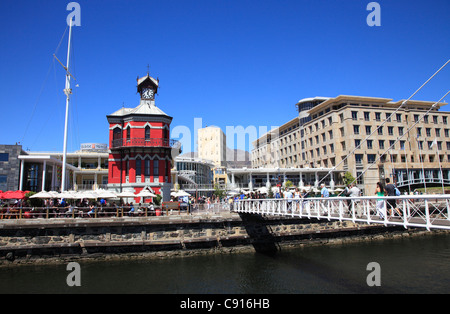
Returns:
(427,211)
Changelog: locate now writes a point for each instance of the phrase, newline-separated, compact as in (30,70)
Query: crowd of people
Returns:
(101,207)
(351,191)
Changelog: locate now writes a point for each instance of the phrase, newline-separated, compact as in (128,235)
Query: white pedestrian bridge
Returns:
(426,211)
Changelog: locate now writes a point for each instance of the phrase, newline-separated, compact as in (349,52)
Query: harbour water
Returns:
(407,265)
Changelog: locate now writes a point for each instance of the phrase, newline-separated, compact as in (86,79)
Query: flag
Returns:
(434,143)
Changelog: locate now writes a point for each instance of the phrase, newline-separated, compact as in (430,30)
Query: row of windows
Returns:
(397,116)
(117,133)
(360,159)
(147,162)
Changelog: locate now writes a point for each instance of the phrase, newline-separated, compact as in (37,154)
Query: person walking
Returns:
(355,192)
(379,191)
(324,191)
(390,191)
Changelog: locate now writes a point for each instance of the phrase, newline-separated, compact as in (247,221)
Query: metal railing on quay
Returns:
(111,212)
(429,211)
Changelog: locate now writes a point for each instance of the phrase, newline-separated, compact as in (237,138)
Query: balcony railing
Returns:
(142,142)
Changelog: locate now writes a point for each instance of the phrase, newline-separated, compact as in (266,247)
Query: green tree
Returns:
(219,192)
(348,178)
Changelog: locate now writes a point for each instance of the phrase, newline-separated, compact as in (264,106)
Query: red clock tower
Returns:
(140,146)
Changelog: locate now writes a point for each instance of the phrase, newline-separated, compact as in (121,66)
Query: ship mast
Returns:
(67,92)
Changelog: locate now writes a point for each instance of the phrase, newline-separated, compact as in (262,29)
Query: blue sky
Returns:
(230,63)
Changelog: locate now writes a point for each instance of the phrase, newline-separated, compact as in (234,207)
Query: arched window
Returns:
(147,133)
(117,134)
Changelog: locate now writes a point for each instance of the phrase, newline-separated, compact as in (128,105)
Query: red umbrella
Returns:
(13,195)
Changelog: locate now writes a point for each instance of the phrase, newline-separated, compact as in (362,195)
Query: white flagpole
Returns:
(67,91)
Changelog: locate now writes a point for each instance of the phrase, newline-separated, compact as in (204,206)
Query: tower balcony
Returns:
(142,142)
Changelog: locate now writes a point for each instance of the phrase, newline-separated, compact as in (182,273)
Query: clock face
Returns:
(147,93)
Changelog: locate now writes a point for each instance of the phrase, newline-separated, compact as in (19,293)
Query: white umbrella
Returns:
(105,194)
(145,193)
(126,194)
(87,194)
(182,193)
(67,195)
(262,190)
(42,194)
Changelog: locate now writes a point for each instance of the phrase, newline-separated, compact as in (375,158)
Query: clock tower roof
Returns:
(147,81)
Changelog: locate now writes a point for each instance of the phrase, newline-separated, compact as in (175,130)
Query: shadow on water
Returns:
(349,277)
(260,233)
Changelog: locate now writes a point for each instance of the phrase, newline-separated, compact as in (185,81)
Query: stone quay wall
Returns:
(64,240)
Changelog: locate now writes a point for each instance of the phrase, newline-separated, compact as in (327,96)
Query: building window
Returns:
(368,129)
(147,132)
(355,115)
(380,130)
(356,129)
(381,144)
(358,159)
(156,168)
(390,130)
(377,116)
(138,167)
(117,134)
(3,183)
(438,132)
(147,167)
(128,134)
(366,116)
(392,144)
(371,158)
(369,144)
(4,156)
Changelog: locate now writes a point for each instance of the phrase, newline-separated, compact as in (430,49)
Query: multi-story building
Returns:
(140,146)
(10,167)
(212,145)
(353,132)
(193,175)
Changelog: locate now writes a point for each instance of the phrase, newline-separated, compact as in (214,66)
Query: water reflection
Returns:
(415,265)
